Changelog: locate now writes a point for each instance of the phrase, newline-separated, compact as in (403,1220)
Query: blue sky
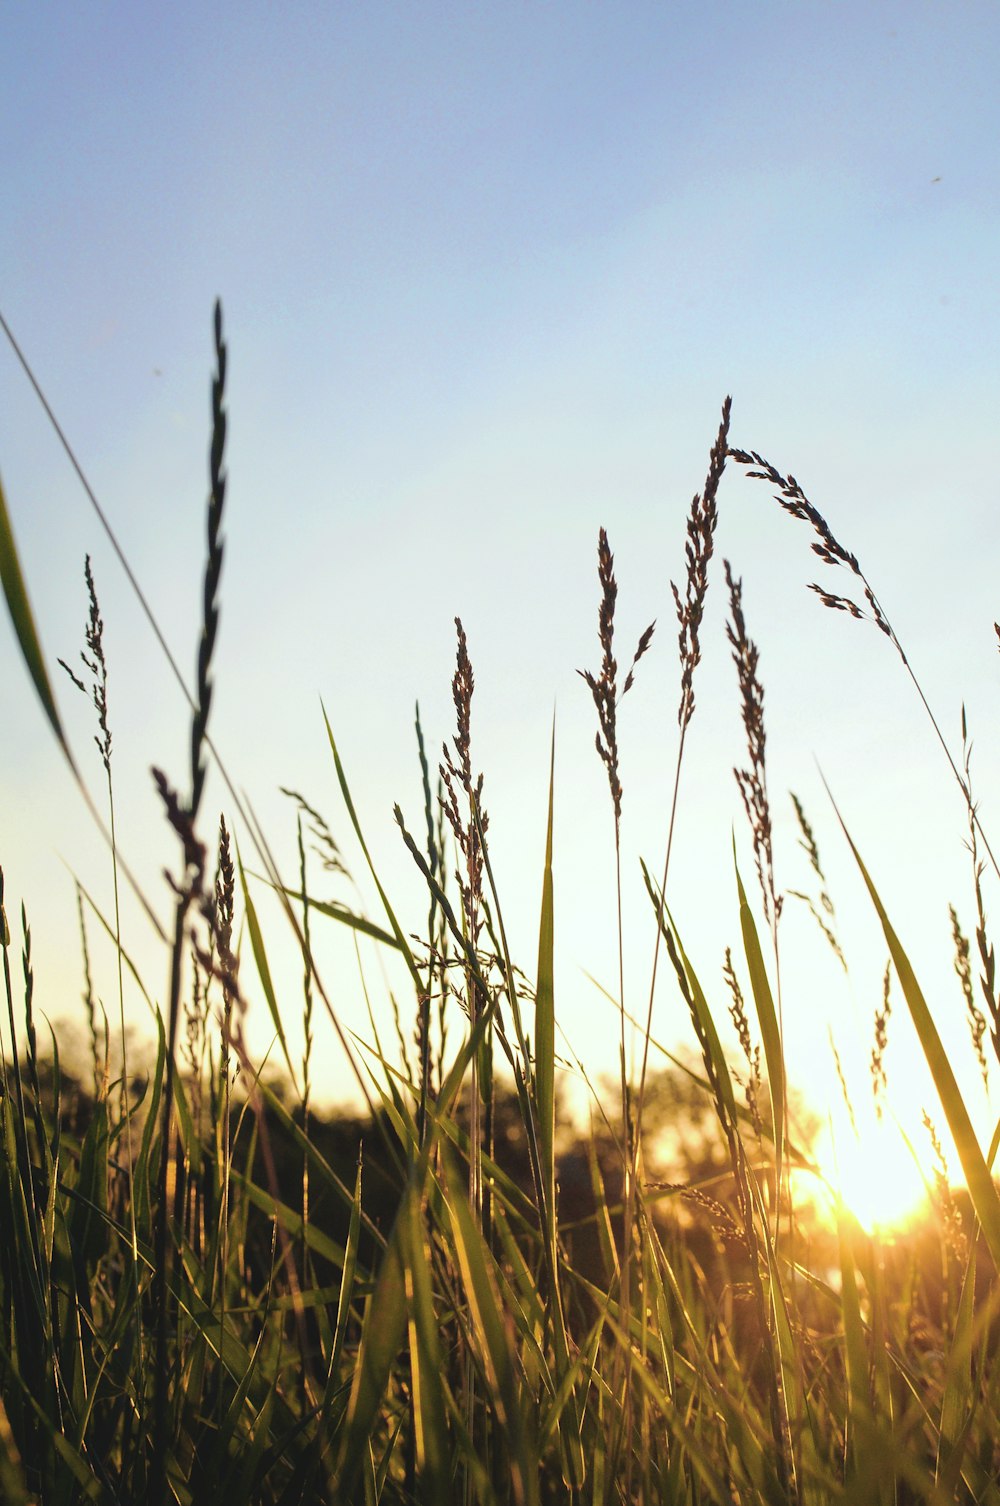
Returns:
(488,272)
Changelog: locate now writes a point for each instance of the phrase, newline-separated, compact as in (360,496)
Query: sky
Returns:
(487,274)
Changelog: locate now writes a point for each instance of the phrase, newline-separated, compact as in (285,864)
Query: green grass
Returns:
(204,1295)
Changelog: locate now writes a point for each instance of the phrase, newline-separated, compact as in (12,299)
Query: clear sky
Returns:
(488,273)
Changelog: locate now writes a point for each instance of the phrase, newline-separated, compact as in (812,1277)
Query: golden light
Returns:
(874,1172)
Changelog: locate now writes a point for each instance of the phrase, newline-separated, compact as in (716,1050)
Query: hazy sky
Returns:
(488,272)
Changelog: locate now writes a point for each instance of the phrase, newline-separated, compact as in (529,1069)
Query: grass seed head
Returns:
(702,520)
(738,1015)
(826,546)
(880,1081)
(456,774)
(842,1080)
(604,686)
(955,1241)
(752,782)
(96,665)
(974,1015)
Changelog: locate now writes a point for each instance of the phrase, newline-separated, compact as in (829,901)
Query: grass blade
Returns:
(701,1015)
(856,1357)
(959,1393)
(768,1020)
(494,1337)
(397,931)
(430,1426)
(16,594)
(263,967)
(980,1183)
(545,1022)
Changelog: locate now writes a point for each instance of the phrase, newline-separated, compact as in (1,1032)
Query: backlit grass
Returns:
(205,1295)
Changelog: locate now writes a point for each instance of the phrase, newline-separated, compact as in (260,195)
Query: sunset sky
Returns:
(488,273)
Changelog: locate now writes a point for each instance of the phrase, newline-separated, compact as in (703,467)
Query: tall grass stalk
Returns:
(95,663)
(604,690)
(188,888)
(702,520)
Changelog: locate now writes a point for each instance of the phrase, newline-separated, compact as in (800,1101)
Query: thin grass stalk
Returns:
(752,784)
(89,1002)
(24,1304)
(702,520)
(441,942)
(307,1016)
(126,1079)
(457,775)
(987,956)
(424,1000)
(36,1322)
(22,1115)
(4,945)
(96,664)
(225,886)
(604,691)
(38,1193)
(184,820)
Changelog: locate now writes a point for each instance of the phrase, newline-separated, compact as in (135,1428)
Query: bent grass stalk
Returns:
(794,501)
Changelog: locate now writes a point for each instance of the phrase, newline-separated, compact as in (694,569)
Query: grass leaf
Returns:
(16,595)
(768,1020)
(980,1183)
(545,1019)
(263,966)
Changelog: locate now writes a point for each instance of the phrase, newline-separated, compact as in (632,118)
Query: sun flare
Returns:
(875,1174)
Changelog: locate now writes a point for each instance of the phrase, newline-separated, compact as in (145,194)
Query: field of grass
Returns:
(199,1300)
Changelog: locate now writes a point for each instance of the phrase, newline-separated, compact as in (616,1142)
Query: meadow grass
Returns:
(179,1322)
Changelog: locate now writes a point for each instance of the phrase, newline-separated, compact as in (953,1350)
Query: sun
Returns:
(873,1171)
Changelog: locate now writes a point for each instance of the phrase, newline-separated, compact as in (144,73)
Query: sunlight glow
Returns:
(875,1174)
